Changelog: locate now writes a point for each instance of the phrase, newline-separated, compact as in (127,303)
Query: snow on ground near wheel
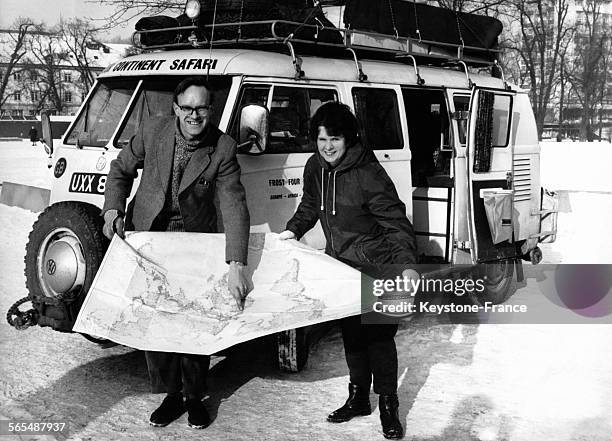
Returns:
(576,166)
(582,235)
(15,226)
(23,163)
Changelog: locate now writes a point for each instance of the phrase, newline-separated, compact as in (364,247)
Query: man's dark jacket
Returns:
(212,169)
(362,216)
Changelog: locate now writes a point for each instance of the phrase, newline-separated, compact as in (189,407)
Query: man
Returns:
(33,135)
(185,161)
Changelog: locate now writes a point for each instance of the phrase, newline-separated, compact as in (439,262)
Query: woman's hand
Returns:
(410,274)
(286,235)
(413,277)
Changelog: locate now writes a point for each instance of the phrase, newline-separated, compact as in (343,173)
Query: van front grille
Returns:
(522,178)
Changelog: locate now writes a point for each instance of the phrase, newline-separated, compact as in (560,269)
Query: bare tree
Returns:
(538,37)
(125,10)
(13,41)
(78,35)
(563,89)
(592,59)
(491,8)
(48,58)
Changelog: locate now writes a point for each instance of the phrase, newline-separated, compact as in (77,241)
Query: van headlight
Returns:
(192,9)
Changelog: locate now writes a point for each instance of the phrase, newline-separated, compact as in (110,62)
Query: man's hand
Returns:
(113,223)
(237,283)
(411,274)
(285,235)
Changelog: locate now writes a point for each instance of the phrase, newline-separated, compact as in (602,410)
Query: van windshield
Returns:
(102,113)
(154,101)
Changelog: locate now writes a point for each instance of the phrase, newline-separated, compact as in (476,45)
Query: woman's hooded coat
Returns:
(363,219)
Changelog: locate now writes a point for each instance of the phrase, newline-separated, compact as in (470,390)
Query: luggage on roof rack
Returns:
(252,5)
(293,16)
(310,32)
(422,22)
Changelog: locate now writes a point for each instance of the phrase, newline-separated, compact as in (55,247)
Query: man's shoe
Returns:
(392,427)
(357,404)
(197,416)
(169,410)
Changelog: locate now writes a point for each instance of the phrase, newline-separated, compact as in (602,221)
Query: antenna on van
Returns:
(461,48)
(416,20)
(362,76)
(212,38)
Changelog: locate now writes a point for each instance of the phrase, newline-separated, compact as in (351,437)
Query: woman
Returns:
(365,226)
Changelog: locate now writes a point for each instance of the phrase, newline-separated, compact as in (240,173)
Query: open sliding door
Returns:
(490,175)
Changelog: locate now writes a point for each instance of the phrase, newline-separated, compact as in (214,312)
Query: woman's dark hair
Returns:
(337,119)
(192,81)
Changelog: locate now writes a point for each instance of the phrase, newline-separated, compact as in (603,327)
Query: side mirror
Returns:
(253,137)
(47,134)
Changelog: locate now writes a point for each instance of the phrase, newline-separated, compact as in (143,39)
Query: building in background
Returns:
(585,79)
(49,71)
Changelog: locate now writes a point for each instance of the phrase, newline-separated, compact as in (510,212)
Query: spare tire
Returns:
(63,254)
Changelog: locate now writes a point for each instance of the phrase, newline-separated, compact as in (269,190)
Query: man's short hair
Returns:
(338,120)
(193,81)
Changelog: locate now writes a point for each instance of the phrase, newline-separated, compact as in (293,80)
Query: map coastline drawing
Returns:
(168,292)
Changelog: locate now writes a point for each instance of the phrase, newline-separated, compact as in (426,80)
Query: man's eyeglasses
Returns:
(201,110)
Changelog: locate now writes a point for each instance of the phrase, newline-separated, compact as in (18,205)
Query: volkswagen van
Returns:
(453,135)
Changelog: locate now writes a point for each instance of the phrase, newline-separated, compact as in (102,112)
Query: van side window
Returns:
(428,131)
(462,104)
(290,112)
(502,106)
(378,114)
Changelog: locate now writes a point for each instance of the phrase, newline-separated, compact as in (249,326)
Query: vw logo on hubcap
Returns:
(51,267)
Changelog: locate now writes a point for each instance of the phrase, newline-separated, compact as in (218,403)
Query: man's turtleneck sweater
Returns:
(183,150)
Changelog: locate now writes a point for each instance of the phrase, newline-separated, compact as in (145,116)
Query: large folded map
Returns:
(168,292)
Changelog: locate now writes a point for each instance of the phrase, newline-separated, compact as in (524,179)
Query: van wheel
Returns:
(63,253)
(497,281)
(292,346)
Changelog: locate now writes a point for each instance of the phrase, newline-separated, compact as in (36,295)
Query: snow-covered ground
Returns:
(576,166)
(23,163)
(457,382)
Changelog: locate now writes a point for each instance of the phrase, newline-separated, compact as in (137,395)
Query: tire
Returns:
(497,281)
(292,347)
(63,254)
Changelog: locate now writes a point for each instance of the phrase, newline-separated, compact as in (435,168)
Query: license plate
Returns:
(94,183)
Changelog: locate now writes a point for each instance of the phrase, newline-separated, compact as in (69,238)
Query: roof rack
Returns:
(272,33)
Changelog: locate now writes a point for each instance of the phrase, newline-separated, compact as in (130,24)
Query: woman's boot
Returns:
(357,404)
(388,406)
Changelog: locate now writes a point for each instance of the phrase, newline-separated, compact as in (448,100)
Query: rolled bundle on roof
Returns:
(421,21)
